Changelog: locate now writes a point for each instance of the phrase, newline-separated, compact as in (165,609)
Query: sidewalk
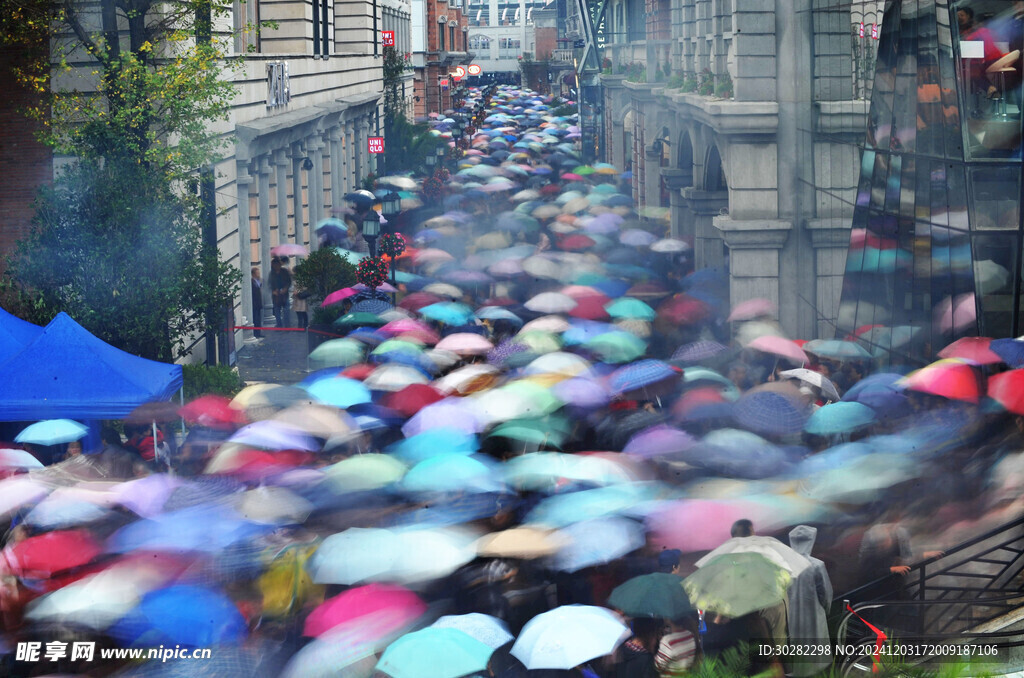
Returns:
(279,357)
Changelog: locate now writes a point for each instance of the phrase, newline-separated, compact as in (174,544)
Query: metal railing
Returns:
(949,598)
(562,55)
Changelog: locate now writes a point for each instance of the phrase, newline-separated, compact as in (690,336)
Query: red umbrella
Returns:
(358,371)
(575,242)
(682,310)
(694,398)
(212,411)
(591,307)
(339,296)
(418,300)
(950,378)
(500,301)
(374,603)
(975,349)
(570,176)
(412,399)
(39,557)
(1007,389)
(550,189)
(780,346)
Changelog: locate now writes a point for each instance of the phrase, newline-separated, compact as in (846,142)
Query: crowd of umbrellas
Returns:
(554,401)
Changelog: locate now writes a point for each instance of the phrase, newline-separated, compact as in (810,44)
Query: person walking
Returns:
(280,286)
(256,285)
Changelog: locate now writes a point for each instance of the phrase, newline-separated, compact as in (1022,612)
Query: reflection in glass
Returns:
(935,243)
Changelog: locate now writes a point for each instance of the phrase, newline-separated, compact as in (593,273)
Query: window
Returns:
(441,21)
(247,26)
(479,43)
(321,28)
(451,37)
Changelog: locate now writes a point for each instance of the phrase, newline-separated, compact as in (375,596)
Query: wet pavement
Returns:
(278,357)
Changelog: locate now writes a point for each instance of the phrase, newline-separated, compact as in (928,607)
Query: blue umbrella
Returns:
(1010,350)
(698,351)
(841,417)
(738,454)
(455,509)
(770,412)
(52,432)
(435,653)
(880,393)
(452,473)
(640,374)
(448,312)
(598,541)
(193,616)
(340,392)
(833,458)
(433,442)
(274,435)
(498,313)
(565,509)
(583,331)
(214,527)
(489,630)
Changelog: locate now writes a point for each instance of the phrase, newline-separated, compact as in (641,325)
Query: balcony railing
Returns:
(562,55)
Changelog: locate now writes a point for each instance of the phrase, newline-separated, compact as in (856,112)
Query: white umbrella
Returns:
(394,377)
(828,389)
(769,547)
(542,267)
(667,245)
(568,636)
(551,302)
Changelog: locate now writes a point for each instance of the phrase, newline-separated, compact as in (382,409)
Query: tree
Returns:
(406,144)
(118,240)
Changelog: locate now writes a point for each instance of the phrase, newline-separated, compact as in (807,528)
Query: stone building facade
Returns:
(440,43)
(745,123)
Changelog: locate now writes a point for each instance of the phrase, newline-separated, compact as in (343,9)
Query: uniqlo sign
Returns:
(444,83)
(375,144)
(387,38)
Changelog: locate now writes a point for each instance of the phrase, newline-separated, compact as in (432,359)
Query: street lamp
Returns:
(440,152)
(431,160)
(371,231)
(391,204)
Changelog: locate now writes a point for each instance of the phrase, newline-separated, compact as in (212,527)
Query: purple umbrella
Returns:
(146,496)
(637,238)
(582,392)
(603,224)
(447,413)
(507,351)
(507,267)
(274,435)
(641,375)
(771,413)
(697,351)
(659,441)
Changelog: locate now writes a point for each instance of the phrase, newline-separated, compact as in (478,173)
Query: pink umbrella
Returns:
(392,606)
(289,250)
(570,176)
(465,343)
(956,313)
(338,296)
(950,378)
(506,268)
(146,496)
(383,287)
(975,349)
(780,346)
(404,325)
(697,524)
(752,308)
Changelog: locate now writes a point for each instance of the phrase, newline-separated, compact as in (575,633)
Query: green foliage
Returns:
(216,379)
(706,83)
(689,83)
(636,72)
(724,87)
(116,249)
(406,144)
(324,317)
(676,81)
(322,272)
(564,111)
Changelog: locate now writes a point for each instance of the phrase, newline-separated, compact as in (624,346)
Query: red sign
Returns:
(459,73)
(387,38)
(375,144)
(874,31)
(474,69)
(443,83)
(862,29)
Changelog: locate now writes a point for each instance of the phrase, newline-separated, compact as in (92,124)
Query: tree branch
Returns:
(71,19)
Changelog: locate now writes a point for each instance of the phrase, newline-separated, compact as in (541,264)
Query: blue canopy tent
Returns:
(66,372)
(15,334)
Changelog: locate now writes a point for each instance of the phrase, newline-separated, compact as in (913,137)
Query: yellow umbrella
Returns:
(520,542)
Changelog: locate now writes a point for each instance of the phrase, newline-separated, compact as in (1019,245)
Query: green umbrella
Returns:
(584,170)
(735,584)
(435,653)
(628,307)
(550,430)
(539,342)
(365,472)
(617,347)
(358,319)
(652,595)
(393,345)
(540,398)
(337,353)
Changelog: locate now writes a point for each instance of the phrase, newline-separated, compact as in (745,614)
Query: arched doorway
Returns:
(714,173)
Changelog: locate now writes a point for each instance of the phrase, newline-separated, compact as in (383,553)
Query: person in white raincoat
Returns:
(810,596)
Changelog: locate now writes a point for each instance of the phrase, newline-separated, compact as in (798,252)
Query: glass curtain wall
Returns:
(936,239)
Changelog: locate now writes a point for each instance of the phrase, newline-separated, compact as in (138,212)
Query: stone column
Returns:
(652,177)
(264,207)
(754,248)
(350,156)
(362,166)
(337,167)
(314,146)
(297,155)
(281,163)
(242,182)
(676,180)
(831,241)
(701,208)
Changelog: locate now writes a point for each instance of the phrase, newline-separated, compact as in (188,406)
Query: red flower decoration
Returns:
(372,272)
(392,244)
